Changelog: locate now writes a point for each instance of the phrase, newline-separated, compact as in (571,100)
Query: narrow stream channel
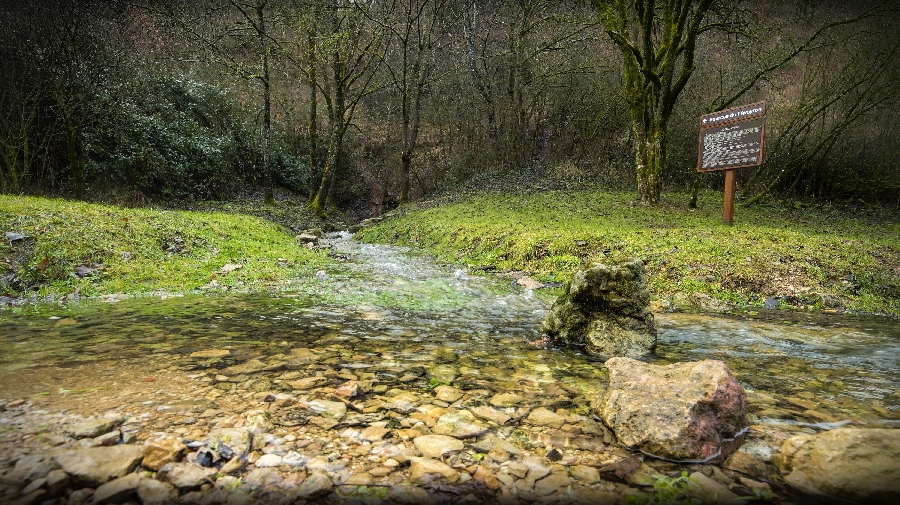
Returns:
(395,318)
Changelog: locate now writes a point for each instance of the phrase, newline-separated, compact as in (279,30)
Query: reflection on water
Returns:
(399,315)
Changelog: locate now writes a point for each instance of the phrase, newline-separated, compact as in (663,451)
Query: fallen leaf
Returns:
(149,379)
(43,264)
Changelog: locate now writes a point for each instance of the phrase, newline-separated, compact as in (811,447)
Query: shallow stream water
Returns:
(393,315)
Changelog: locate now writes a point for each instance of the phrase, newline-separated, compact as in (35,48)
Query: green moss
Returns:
(143,250)
(771,250)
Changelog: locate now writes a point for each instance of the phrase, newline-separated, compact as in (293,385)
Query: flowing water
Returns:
(394,316)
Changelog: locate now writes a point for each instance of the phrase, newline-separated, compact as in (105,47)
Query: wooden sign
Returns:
(730,139)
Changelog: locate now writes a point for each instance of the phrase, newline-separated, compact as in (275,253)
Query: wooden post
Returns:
(728,206)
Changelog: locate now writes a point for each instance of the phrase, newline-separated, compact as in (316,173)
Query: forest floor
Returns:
(813,257)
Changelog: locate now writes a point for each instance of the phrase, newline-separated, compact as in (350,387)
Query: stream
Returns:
(395,319)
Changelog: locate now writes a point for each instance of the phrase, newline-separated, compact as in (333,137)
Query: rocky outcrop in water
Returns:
(605,310)
(860,465)
(683,411)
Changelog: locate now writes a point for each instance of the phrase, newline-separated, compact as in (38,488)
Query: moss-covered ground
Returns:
(83,249)
(811,257)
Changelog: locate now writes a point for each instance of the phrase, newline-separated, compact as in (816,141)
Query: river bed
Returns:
(396,322)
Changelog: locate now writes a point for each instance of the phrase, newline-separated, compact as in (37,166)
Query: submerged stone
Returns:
(605,310)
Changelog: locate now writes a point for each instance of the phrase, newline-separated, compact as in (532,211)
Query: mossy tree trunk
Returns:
(657,42)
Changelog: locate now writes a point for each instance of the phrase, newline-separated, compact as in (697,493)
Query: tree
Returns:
(414,26)
(657,42)
(349,53)
(244,47)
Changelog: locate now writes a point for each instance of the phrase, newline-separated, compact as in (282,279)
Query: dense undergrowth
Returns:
(816,257)
(75,248)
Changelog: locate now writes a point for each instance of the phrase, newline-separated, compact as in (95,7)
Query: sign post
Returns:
(730,139)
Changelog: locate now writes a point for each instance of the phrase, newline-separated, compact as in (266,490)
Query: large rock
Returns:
(605,310)
(186,476)
(855,464)
(99,465)
(683,411)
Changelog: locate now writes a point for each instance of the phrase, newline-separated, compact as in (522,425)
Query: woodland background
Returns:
(366,104)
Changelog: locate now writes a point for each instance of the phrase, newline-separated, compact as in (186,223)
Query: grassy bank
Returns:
(90,249)
(809,257)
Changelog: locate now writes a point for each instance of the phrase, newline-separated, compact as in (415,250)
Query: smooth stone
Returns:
(434,446)
(585,474)
(91,428)
(154,492)
(251,366)
(269,460)
(709,491)
(448,394)
(211,353)
(303,356)
(348,389)
(405,494)
(261,477)
(160,452)
(118,490)
(460,424)
(544,417)
(420,467)
(316,486)
(258,421)
(185,476)
(551,484)
(360,479)
(855,464)
(745,463)
(98,465)
(374,433)
(293,458)
(506,400)
(682,411)
(56,482)
(308,383)
(31,467)
(326,408)
(485,475)
(111,438)
(237,439)
(490,414)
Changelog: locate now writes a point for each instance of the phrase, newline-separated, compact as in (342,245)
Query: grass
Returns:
(810,257)
(140,251)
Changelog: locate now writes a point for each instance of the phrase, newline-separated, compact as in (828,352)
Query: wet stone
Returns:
(543,417)
(460,424)
(434,446)
(90,428)
(506,400)
(98,465)
(447,394)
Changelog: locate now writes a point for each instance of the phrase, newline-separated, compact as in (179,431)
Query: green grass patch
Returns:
(816,257)
(140,251)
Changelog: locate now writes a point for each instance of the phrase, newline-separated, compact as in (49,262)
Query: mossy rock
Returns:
(605,310)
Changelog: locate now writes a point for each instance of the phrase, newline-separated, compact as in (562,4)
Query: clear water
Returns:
(392,312)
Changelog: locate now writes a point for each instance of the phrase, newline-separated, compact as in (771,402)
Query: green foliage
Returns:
(139,251)
(799,255)
(180,138)
(667,490)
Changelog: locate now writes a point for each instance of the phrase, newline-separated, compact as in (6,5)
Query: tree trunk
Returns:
(267,107)
(650,159)
(313,115)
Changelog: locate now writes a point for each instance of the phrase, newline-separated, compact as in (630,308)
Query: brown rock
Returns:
(683,411)
(348,389)
(420,467)
(484,475)
(855,464)
(158,453)
(98,465)
(117,491)
(490,414)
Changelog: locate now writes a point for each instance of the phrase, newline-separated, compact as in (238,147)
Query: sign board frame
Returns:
(725,119)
